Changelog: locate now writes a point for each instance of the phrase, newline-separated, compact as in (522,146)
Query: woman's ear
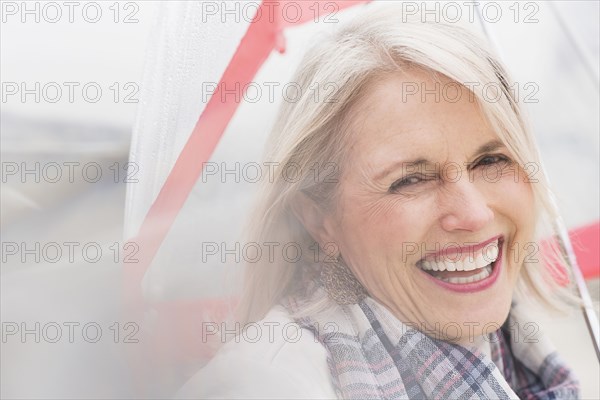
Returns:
(316,222)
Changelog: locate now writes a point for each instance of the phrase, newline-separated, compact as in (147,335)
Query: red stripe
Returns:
(263,35)
(586,246)
(253,50)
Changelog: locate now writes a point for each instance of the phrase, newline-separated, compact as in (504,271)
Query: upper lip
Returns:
(455,249)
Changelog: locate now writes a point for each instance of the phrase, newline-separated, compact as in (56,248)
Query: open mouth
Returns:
(464,265)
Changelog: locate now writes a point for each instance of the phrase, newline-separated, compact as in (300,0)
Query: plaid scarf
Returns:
(373,355)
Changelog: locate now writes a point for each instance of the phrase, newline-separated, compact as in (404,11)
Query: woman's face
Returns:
(430,186)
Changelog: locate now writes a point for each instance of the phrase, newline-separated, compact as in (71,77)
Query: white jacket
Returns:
(274,359)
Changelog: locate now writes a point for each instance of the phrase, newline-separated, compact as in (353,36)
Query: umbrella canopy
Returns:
(199,124)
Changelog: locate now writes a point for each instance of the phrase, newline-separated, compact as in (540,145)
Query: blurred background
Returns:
(98,98)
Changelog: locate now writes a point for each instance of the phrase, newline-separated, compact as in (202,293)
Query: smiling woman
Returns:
(465,210)
(418,252)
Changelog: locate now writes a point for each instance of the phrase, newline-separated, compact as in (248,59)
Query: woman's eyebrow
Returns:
(489,146)
(407,164)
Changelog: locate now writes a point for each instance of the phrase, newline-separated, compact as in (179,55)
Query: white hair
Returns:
(310,133)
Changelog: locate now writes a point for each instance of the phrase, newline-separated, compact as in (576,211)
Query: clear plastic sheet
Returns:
(189,282)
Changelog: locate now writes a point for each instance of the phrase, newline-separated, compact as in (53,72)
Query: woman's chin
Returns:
(474,321)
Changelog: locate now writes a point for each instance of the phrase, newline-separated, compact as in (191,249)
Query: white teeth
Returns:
(481,261)
(468,262)
(485,272)
(470,265)
(450,266)
(491,253)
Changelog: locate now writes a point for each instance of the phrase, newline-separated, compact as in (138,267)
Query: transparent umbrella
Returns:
(211,88)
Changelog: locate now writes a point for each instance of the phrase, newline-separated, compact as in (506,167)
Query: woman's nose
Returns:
(464,207)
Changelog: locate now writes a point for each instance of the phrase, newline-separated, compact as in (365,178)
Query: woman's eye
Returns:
(491,159)
(407,181)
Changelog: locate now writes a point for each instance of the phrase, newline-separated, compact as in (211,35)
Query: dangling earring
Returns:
(340,283)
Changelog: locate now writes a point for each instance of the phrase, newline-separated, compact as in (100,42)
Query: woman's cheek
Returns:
(512,200)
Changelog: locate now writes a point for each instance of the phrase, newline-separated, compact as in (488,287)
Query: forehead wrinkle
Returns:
(447,151)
